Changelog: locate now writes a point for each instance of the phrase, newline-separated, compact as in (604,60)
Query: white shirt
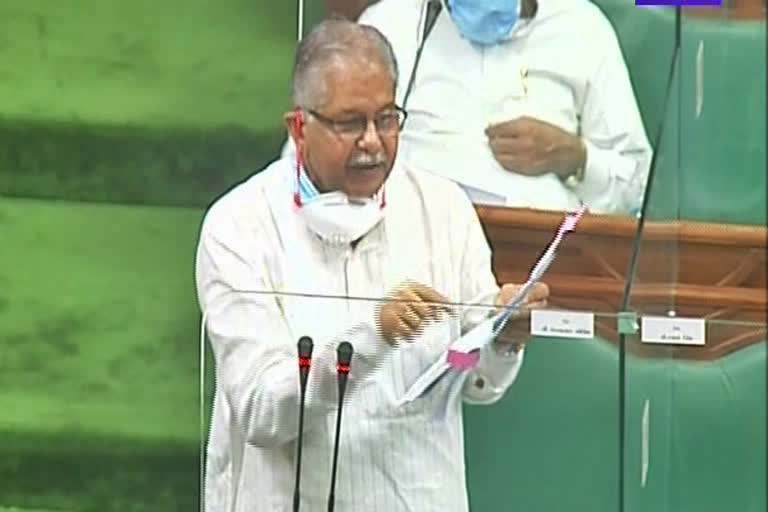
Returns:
(393,458)
(576,79)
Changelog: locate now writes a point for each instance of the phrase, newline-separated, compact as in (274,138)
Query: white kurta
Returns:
(576,79)
(392,458)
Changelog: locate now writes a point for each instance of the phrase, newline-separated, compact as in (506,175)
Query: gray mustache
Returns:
(365,160)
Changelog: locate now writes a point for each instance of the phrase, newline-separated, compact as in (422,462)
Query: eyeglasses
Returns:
(387,123)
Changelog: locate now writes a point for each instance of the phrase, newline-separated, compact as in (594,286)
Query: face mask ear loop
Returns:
(298,124)
(296,195)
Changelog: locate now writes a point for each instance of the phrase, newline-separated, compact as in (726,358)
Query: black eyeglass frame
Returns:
(360,123)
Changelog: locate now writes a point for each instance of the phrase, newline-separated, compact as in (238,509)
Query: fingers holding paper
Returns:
(407,311)
(536,297)
(404,315)
(516,332)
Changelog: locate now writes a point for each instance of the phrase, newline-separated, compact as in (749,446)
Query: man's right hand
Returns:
(405,312)
(532,147)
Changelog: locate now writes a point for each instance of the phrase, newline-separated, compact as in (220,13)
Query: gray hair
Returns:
(333,39)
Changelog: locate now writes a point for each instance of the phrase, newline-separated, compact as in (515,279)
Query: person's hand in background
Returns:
(532,147)
(403,316)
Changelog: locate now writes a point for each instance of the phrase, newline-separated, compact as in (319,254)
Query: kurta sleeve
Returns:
(256,357)
(494,373)
(618,151)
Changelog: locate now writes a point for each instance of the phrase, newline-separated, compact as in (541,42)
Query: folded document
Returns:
(464,353)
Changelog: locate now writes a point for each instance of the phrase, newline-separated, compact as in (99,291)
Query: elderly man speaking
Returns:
(342,218)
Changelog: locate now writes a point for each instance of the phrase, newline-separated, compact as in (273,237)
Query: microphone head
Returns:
(305,346)
(344,353)
(305,356)
(343,358)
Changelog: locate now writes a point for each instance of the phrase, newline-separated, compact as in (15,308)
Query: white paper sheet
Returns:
(484,333)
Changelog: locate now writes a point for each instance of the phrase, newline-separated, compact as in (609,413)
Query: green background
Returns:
(121,122)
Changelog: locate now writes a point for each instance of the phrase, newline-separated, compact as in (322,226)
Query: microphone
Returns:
(343,358)
(305,361)
(434,7)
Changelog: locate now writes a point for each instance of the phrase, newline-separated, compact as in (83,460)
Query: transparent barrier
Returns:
(411,410)
(691,413)
(693,342)
(134,128)
(695,416)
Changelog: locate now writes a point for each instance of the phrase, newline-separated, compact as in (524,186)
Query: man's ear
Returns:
(294,124)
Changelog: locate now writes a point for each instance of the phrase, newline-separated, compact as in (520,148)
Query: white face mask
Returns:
(333,216)
(338,219)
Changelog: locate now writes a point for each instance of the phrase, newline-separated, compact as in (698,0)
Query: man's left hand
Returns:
(532,147)
(516,332)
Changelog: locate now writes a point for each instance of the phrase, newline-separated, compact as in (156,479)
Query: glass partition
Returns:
(401,434)
(695,418)
(115,137)
(693,347)
(552,439)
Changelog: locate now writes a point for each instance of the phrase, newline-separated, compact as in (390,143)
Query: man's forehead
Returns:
(352,84)
(361,65)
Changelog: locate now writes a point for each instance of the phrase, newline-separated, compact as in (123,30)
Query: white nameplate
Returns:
(563,324)
(673,331)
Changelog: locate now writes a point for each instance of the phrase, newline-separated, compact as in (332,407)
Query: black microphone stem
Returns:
(296,492)
(305,361)
(434,7)
(344,358)
(332,494)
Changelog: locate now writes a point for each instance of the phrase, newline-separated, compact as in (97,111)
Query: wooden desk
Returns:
(742,10)
(711,271)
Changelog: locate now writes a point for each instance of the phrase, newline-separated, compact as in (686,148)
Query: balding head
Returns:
(330,45)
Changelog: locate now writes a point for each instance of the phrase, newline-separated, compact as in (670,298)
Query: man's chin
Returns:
(366,182)
(357,193)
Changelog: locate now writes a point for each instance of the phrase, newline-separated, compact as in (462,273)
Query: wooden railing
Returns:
(701,270)
(743,10)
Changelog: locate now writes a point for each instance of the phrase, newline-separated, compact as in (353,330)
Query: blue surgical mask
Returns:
(307,189)
(485,22)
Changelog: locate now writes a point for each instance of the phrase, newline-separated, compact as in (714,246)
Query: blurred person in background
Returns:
(526,103)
